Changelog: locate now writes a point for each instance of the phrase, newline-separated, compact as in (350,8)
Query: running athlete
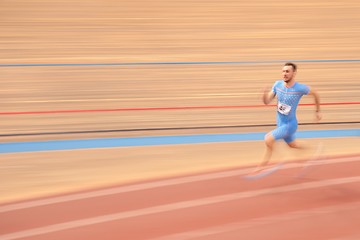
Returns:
(288,94)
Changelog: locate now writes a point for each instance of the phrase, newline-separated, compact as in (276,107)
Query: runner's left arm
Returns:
(317,103)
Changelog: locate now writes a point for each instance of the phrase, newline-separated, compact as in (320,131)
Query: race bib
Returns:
(283,108)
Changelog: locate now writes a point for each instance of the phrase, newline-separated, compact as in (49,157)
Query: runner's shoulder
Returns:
(277,84)
(302,88)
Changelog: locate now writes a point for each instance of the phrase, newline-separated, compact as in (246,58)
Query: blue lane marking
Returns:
(17,147)
(176,63)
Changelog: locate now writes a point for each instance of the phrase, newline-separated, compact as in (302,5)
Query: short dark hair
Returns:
(291,64)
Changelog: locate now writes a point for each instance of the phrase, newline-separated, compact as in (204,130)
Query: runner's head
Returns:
(289,71)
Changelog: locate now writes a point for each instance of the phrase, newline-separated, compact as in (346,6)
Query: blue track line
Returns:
(58,145)
(177,63)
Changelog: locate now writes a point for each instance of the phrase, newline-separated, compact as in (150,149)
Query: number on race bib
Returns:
(283,108)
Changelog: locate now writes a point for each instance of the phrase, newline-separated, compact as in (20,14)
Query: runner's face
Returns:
(288,73)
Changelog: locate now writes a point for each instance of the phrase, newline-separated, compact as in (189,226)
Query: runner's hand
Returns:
(318,116)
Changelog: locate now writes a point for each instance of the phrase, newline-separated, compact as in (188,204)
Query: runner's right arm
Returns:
(268,96)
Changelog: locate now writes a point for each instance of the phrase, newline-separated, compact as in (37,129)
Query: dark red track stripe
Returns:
(163,108)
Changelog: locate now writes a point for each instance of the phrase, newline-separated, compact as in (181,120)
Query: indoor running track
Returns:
(322,204)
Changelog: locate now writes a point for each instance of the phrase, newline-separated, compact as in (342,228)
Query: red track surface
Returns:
(323,204)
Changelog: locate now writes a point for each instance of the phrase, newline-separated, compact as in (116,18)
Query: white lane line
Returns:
(259,222)
(156,184)
(175,206)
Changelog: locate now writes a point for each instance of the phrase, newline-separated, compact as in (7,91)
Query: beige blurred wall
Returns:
(61,32)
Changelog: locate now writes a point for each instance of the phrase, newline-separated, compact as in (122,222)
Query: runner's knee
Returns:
(269,140)
(295,144)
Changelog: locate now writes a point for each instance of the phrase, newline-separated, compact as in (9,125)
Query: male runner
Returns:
(288,93)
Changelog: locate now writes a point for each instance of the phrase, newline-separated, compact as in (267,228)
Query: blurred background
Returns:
(101,69)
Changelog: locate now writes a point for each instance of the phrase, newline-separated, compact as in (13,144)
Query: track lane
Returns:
(276,226)
(165,210)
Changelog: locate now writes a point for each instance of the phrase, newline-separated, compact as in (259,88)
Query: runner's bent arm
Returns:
(268,96)
(317,103)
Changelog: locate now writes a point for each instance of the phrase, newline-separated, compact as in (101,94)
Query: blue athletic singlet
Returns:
(287,102)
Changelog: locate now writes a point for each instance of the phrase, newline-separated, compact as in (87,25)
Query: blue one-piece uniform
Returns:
(287,102)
